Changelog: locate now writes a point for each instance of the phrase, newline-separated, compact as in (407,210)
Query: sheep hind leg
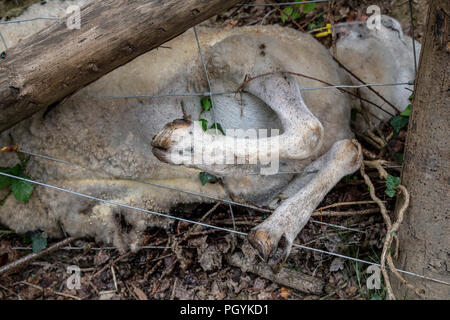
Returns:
(274,237)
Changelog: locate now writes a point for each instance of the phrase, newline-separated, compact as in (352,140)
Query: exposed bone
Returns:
(302,137)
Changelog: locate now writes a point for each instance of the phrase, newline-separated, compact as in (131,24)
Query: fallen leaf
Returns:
(336,265)
(285,293)
(139,293)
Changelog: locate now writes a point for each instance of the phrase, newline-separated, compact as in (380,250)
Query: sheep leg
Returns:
(274,237)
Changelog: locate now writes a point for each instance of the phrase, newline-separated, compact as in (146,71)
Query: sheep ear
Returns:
(391,23)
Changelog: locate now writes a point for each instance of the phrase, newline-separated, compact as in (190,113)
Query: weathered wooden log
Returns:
(424,234)
(57,61)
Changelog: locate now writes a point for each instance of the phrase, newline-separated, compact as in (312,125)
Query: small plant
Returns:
(37,239)
(206,177)
(207,106)
(21,190)
(400,121)
(391,183)
(218,126)
(292,12)
(204,123)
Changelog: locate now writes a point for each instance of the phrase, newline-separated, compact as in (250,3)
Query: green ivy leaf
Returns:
(308,7)
(288,11)
(6,181)
(311,26)
(39,241)
(398,123)
(206,103)
(295,15)
(407,111)
(391,183)
(205,178)
(390,192)
(219,127)
(22,190)
(204,124)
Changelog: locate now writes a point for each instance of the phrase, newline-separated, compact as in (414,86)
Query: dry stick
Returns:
(13,266)
(340,204)
(51,290)
(172,295)
(344,213)
(379,140)
(333,30)
(244,83)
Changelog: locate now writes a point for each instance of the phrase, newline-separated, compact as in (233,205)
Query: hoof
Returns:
(171,138)
(273,248)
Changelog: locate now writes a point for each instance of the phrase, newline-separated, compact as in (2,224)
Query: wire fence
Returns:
(211,95)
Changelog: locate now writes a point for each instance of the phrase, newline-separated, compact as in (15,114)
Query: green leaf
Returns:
(407,111)
(22,190)
(288,11)
(311,26)
(206,103)
(219,127)
(39,241)
(308,7)
(391,183)
(205,177)
(284,18)
(295,15)
(204,124)
(398,123)
(6,181)
(390,192)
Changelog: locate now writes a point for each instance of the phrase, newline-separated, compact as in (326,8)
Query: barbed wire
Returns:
(111,202)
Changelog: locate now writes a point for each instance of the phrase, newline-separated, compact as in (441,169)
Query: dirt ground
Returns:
(196,265)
